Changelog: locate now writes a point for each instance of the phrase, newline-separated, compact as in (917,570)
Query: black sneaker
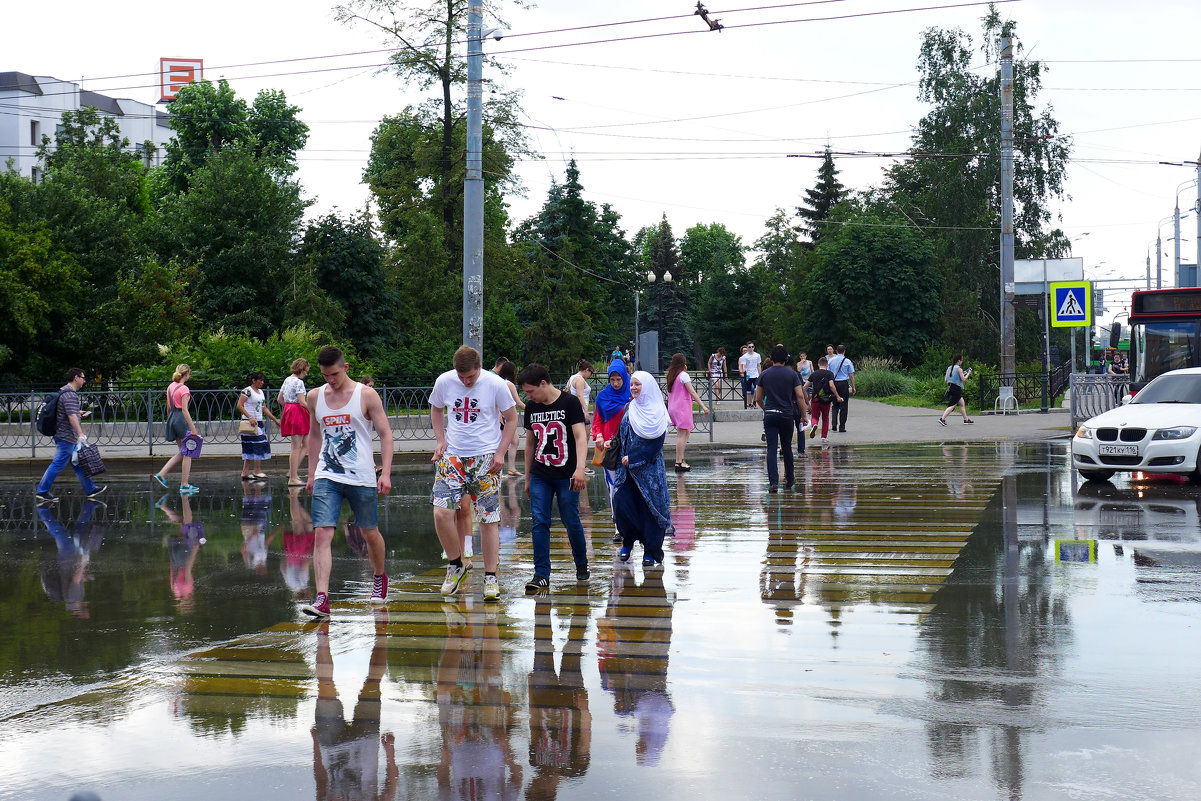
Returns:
(96,493)
(582,574)
(617,536)
(537,585)
(46,497)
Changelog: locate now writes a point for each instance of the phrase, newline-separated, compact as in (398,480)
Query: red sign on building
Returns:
(176,73)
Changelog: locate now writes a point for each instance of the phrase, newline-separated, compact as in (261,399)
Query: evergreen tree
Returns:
(821,199)
(667,306)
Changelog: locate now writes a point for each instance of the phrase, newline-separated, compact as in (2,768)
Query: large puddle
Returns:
(912,622)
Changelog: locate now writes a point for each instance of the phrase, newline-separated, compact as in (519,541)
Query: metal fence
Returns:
(138,417)
(1029,389)
(1094,394)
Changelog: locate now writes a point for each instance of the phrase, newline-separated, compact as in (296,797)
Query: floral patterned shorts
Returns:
(456,476)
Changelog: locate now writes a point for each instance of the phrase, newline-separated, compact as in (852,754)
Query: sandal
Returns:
(260,476)
(683,466)
(248,478)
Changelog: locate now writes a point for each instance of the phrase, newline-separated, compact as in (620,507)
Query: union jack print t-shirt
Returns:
(554,441)
(472,413)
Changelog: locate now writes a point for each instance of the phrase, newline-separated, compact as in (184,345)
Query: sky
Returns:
(696,125)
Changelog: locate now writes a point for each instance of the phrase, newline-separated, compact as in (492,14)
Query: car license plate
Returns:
(1117,450)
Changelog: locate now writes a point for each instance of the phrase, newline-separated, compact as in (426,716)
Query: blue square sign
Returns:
(1071,304)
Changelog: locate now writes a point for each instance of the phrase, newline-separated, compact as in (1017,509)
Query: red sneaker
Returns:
(319,607)
(379,592)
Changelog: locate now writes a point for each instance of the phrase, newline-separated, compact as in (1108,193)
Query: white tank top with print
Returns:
(347,452)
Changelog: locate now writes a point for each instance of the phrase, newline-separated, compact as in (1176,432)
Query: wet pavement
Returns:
(918,621)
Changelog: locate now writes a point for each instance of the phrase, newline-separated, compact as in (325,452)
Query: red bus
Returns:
(1165,332)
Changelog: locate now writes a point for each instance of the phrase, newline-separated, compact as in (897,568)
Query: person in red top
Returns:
(610,407)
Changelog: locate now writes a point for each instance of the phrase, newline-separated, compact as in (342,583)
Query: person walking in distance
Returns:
(680,397)
(295,419)
(749,364)
(256,448)
(469,457)
(779,387)
(956,375)
(824,393)
(67,433)
(508,372)
(717,366)
(578,386)
(844,378)
(556,442)
(179,424)
(342,468)
(610,408)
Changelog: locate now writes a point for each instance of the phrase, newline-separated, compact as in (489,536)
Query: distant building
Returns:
(32,106)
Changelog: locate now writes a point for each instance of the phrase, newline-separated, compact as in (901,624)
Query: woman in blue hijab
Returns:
(610,408)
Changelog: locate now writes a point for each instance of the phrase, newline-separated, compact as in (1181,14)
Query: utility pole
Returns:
(1199,219)
(1176,232)
(1148,269)
(1008,329)
(1158,260)
(473,184)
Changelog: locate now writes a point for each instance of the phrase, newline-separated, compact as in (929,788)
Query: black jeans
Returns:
(838,419)
(778,428)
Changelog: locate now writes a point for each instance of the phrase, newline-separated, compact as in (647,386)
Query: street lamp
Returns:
(650,279)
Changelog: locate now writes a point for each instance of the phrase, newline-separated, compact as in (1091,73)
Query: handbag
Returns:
(612,458)
(190,445)
(87,456)
(598,455)
(247,426)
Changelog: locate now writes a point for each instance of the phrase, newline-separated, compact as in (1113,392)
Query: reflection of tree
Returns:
(633,643)
(560,720)
(474,711)
(987,646)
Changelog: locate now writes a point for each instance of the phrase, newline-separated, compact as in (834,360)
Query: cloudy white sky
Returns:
(697,126)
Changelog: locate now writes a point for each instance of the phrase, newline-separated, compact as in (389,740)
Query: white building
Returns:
(32,106)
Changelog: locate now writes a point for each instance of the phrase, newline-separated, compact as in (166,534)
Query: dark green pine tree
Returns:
(819,200)
(668,307)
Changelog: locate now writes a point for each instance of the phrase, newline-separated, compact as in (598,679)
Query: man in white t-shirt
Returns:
(466,410)
(749,364)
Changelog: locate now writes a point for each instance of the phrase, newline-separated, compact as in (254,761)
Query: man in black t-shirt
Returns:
(556,442)
(778,388)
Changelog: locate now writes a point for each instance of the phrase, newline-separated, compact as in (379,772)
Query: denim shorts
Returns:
(327,504)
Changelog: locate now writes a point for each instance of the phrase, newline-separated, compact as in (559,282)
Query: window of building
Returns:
(35,175)
(35,133)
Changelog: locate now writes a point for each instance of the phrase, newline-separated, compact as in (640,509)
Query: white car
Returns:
(1158,431)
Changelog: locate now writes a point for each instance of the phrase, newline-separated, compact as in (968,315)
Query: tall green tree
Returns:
(722,309)
(666,309)
(774,279)
(951,184)
(819,201)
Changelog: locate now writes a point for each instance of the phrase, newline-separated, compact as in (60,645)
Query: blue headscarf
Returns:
(610,401)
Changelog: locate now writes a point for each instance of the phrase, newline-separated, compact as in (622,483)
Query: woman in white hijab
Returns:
(641,506)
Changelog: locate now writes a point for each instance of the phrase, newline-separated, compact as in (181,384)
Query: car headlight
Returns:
(1179,432)
(1084,432)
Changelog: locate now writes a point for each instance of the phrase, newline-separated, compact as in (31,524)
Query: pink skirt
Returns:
(679,406)
(295,422)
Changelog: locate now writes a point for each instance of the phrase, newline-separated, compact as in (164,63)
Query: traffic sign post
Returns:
(1071,304)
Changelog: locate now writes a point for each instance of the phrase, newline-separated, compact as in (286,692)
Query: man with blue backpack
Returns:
(67,434)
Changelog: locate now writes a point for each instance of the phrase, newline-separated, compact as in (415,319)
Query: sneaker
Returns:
(188,489)
(648,562)
(812,431)
(968,422)
(942,422)
(162,481)
(773,489)
(379,591)
(491,588)
(582,573)
(454,577)
(842,431)
(96,493)
(825,441)
(537,585)
(617,536)
(319,607)
(46,497)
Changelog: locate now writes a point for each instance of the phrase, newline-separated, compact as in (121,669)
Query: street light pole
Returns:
(473,184)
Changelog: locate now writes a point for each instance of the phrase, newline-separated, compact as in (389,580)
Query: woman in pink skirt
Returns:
(680,397)
(295,425)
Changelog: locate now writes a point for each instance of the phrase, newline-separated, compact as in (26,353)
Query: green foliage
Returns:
(725,304)
(666,302)
(225,360)
(153,306)
(820,201)
(881,382)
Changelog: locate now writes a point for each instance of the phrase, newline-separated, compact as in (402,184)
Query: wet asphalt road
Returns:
(923,621)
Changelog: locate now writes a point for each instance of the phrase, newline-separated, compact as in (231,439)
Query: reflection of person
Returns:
(342,468)
(633,659)
(295,419)
(469,456)
(67,433)
(183,549)
(346,755)
(179,424)
(610,408)
(640,503)
(63,581)
(683,519)
(956,375)
(560,720)
(255,507)
(474,711)
(298,542)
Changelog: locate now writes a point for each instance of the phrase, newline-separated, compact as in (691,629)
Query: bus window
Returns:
(1162,347)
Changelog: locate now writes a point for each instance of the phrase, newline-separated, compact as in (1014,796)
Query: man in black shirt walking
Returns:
(779,386)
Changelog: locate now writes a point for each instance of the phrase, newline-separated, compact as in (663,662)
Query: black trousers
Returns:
(839,417)
(778,428)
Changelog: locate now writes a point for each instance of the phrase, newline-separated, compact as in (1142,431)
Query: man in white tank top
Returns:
(342,459)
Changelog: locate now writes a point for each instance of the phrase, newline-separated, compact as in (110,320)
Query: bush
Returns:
(878,382)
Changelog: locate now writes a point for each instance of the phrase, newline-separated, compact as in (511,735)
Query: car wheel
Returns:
(1195,476)
(1096,475)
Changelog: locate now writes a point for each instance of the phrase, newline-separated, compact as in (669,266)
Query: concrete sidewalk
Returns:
(869,423)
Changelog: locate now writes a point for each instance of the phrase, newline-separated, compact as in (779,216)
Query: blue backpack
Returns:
(48,414)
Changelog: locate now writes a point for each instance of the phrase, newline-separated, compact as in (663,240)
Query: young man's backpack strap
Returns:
(47,420)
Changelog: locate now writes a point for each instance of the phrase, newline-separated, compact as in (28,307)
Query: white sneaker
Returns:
(491,588)
(825,441)
(454,578)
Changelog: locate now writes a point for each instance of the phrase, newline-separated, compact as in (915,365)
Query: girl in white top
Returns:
(508,371)
(578,386)
(255,447)
(295,426)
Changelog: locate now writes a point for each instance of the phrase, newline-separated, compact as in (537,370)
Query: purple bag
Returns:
(190,445)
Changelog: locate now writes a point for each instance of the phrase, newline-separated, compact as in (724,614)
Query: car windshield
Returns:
(1171,389)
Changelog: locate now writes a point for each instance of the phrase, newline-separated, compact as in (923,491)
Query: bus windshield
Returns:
(1162,347)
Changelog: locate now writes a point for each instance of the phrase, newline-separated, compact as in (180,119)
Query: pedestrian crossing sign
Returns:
(1071,304)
